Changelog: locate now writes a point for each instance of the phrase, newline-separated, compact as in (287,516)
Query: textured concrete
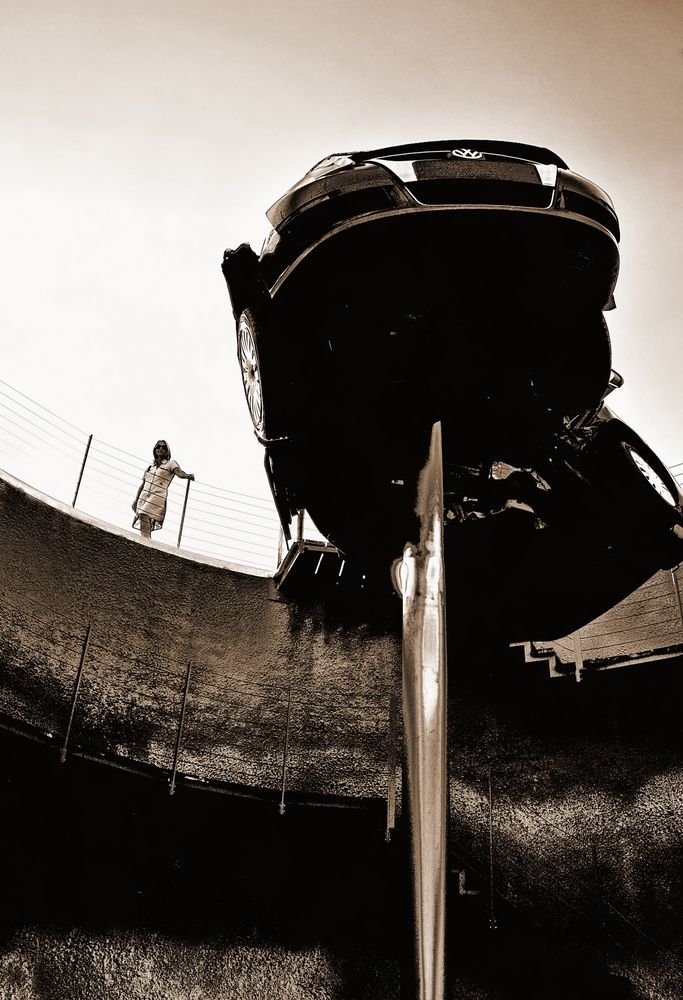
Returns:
(152,614)
(587,813)
(113,888)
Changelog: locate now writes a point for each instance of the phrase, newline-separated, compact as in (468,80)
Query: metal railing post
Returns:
(493,925)
(182,518)
(179,736)
(74,698)
(578,656)
(677,592)
(282,546)
(285,750)
(80,475)
(391,767)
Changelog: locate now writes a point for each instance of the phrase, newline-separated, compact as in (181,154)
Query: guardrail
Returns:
(646,624)
(58,458)
(53,455)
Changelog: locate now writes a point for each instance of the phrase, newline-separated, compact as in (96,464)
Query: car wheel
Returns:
(653,473)
(250,367)
(641,478)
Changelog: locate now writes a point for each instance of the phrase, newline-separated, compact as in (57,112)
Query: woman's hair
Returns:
(167,453)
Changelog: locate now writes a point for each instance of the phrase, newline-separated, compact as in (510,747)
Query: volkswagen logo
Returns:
(468,154)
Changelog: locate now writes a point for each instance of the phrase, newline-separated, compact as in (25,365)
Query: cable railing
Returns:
(43,449)
(51,454)
(647,623)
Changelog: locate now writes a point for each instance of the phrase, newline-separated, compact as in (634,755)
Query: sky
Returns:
(141,139)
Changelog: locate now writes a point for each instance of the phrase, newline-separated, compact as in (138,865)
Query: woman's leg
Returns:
(145,526)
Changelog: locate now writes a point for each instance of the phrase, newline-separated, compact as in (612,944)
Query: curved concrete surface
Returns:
(587,779)
(262,673)
(586,815)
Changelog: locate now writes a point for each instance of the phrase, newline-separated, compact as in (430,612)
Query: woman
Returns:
(150,503)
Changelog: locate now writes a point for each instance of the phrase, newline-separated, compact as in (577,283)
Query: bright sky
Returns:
(142,138)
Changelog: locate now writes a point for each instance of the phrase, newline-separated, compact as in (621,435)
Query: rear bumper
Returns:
(546,249)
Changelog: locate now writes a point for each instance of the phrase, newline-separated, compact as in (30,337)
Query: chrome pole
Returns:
(422,583)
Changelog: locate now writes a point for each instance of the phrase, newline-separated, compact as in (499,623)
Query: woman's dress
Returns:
(154,492)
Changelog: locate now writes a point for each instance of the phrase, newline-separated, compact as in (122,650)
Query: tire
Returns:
(640,478)
(249,359)
(655,477)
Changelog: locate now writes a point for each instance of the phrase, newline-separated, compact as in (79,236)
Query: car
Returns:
(460,281)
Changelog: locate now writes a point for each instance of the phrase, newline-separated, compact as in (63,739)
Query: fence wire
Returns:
(47,452)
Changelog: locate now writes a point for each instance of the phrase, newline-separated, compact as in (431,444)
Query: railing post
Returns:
(182,519)
(493,925)
(391,767)
(677,592)
(578,656)
(284,752)
(282,545)
(181,723)
(80,475)
(74,698)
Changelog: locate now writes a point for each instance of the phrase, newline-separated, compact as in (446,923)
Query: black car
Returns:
(463,281)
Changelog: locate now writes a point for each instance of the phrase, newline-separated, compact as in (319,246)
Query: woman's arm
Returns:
(134,504)
(184,475)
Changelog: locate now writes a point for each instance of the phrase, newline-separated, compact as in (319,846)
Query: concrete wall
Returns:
(152,612)
(587,779)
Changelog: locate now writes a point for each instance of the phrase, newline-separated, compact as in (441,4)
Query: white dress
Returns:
(152,499)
